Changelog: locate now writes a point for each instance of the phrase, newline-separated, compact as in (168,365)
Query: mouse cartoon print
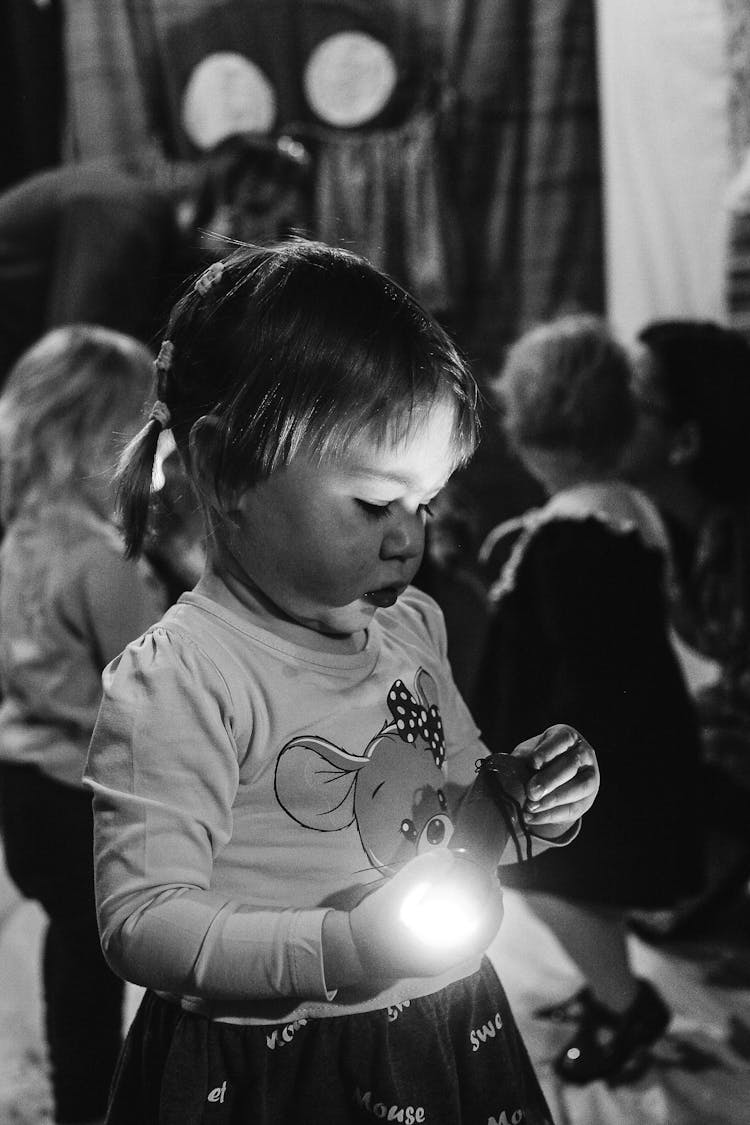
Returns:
(393,792)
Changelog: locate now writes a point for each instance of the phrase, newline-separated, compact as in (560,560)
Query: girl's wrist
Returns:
(555,833)
(342,966)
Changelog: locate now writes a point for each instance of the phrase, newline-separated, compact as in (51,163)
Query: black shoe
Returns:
(568,1011)
(614,1048)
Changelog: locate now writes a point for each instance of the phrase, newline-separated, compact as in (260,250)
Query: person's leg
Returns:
(617,1015)
(595,939)
(48,833)
(83,1017)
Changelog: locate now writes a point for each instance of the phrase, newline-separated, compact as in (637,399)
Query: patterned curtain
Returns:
(529,181)
(528,190)
(737,20)
(106,94)
(523,151)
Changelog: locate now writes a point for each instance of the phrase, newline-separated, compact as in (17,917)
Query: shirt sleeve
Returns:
(163,768)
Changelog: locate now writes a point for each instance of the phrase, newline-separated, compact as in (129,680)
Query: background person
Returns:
(692,456)
(69,603)
(579,627)
(102,243)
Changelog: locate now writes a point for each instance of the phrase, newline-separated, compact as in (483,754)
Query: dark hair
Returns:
(565,385)
(702,375)
(297,346)
(260,166)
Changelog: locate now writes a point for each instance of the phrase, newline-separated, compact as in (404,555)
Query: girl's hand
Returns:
(377,942)
(565,781)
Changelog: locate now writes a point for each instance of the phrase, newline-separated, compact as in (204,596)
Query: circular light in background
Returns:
(349,79)
(226,93)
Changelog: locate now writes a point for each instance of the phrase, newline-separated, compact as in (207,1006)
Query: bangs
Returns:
(361,357)
(382,399)
(389,423)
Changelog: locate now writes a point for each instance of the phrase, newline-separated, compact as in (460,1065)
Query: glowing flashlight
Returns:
(445,916)
(441,917)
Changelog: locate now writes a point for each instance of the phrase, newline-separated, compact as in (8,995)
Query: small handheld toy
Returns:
(490,814)
(492,811)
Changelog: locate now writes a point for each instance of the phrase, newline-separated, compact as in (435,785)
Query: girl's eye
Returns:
(380,511)
(376,511)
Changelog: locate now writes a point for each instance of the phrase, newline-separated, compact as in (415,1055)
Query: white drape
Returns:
(664,89)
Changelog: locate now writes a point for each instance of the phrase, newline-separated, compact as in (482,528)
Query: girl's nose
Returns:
(404,536)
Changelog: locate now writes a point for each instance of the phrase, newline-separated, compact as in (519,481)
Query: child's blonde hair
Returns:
(69,404)
(565,385)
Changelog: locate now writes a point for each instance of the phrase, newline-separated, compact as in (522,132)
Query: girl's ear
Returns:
(203,447)
(685,445)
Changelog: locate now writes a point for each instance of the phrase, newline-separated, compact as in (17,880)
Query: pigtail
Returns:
(134,473)
(135,468)
(133,484)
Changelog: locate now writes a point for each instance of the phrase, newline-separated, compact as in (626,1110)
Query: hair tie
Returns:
(165,358)
(209,278)
(160,413)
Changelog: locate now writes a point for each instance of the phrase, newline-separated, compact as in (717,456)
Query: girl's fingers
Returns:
(559,814)
(580,787)
(563,755)
(553,742)
(566,778)
(556,776)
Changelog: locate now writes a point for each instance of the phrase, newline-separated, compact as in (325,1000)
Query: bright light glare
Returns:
(439,918)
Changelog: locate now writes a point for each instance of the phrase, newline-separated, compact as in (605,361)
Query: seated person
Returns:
(101,244)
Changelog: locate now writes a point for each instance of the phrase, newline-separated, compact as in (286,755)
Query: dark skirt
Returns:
(581,638)
(455,1056)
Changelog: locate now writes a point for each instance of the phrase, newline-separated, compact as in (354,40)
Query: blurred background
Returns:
(508,161)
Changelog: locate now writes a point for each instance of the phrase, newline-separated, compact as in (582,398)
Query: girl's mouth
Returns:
(386,596)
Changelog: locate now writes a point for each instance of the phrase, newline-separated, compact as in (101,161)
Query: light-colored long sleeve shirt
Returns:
(69,603)
(244,785)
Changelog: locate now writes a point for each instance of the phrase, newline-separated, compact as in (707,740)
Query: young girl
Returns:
(277,765)
(69,603)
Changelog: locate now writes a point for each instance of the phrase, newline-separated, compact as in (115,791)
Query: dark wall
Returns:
(31,87)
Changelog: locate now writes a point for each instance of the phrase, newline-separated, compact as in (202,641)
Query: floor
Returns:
(699,1073)
(700,1070)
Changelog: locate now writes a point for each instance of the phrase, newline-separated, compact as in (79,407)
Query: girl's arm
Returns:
(163,769)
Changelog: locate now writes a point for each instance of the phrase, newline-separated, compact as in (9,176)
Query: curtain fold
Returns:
(381,194)
(529,170)
(106,99)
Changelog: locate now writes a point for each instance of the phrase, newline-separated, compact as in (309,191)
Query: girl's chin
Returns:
(348,619)
(336,621)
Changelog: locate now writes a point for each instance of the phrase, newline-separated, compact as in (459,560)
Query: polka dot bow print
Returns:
(413,718)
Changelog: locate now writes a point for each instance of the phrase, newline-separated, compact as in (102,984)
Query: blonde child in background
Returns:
(278,763)
(69,602)
(580,626)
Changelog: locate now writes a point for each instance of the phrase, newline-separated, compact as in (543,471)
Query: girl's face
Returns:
(328,544)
